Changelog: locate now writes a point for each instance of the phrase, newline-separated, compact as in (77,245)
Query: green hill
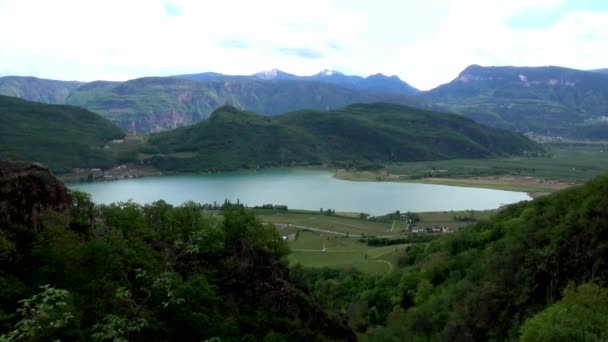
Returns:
(232,138)
(542,100)
(158,103)
(61,137)
(37,89)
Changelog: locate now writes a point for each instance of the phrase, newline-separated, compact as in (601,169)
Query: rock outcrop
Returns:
(26,191)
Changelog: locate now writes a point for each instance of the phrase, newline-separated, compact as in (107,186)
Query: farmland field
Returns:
(314,249)
(322,240)
(564,164)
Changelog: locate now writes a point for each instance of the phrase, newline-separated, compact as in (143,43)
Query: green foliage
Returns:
(152,272)
(581,315)
(41,316)
(116,329)
(240,224)
(232,139)
(61,137)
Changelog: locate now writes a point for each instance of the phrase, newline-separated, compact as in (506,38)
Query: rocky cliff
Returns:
(26,191)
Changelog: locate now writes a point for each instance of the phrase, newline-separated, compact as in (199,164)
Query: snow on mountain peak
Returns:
(268,74)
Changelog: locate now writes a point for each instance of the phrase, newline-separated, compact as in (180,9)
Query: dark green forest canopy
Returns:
(232,138)
(154,273)
(61,137)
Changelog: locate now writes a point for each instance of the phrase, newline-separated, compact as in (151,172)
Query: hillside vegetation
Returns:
(158,103)
(543,100)
(364,133)
(536,270)
(61,137)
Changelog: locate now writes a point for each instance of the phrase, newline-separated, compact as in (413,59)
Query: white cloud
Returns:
(425,43)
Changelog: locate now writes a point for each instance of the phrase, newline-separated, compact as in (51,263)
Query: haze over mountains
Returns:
(551,101)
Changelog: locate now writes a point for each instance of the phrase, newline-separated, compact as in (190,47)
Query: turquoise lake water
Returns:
(299,189)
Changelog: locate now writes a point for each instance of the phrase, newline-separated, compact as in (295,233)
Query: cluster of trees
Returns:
(467,216)
(127,272)
(278,207)
(373,241)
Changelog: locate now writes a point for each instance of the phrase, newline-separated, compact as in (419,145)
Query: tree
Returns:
(41,316)
(582,315)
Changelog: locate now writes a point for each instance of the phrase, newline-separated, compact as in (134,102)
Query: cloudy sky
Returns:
(425,43)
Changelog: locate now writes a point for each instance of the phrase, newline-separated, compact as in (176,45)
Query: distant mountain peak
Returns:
(268,74)
(328,73)
(380,76)
(274,74)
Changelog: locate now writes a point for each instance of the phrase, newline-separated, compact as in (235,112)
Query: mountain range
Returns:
(154,104)
(360,133)
(377,83)
(551,101)
(543,100)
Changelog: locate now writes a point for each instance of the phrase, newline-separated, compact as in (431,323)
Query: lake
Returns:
(299,189)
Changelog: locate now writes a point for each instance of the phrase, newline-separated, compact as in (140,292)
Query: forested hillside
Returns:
(232,138)
(61,137)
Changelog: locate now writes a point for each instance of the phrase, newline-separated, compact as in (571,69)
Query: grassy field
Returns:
(321,250)
(339,224)
(568,163)
(322,240)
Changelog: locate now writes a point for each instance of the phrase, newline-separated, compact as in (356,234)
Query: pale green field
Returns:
(572,163)
(339,224)
(313,249)
(323,243)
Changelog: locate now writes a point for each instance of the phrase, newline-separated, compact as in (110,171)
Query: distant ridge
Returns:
(360,133)
(378,83)
(543,100)
(153,104)
(37,89)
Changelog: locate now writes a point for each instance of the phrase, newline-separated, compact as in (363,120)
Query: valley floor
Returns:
(341,240)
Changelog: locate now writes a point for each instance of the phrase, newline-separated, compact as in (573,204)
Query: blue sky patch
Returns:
(544,19)
(301,52)
(171,9)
